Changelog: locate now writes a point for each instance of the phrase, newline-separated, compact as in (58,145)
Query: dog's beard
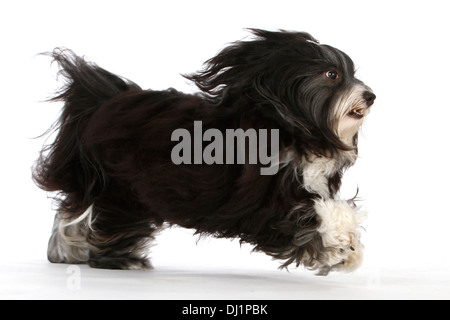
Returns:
(350,110)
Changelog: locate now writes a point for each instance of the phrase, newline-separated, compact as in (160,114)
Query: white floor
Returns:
(190,268)
(39,279)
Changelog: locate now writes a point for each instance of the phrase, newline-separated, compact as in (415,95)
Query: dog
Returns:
(117,184)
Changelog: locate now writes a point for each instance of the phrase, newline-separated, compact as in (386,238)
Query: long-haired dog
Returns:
(112,159)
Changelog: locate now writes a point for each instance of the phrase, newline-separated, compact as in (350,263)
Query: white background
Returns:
(401,50)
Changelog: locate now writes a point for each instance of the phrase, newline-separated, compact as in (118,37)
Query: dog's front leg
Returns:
(340,232)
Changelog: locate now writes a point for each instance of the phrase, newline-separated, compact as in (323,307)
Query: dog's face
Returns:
(312,87)
(346,98)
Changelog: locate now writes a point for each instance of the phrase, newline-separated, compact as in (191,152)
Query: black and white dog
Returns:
(113,166)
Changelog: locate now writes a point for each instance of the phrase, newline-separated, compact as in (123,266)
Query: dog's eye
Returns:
(332,74)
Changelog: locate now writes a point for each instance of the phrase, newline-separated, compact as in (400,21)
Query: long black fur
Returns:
(113,150)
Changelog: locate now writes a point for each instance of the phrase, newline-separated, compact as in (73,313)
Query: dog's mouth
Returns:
(359,102)
(357,112)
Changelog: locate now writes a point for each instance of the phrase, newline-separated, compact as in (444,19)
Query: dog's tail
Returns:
(65,165)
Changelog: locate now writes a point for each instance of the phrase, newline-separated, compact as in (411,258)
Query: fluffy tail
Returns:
(64,165)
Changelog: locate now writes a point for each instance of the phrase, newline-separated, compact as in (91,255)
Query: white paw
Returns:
(67,243)
(138,265)
(340,232)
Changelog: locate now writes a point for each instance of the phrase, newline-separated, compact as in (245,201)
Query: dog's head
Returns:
(309,88)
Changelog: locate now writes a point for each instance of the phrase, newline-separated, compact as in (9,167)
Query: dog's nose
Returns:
(370,97)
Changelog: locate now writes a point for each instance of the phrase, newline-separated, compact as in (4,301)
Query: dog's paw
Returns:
(340,233)
(123,263)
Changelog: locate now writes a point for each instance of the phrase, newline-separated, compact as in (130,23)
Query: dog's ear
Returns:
(247,66)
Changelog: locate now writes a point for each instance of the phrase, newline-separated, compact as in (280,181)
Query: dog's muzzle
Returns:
(370,97)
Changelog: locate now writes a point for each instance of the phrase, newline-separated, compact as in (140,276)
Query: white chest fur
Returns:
(316,172)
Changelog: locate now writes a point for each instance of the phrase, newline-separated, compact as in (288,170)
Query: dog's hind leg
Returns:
(68,243)
(126,249)
(120,234)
